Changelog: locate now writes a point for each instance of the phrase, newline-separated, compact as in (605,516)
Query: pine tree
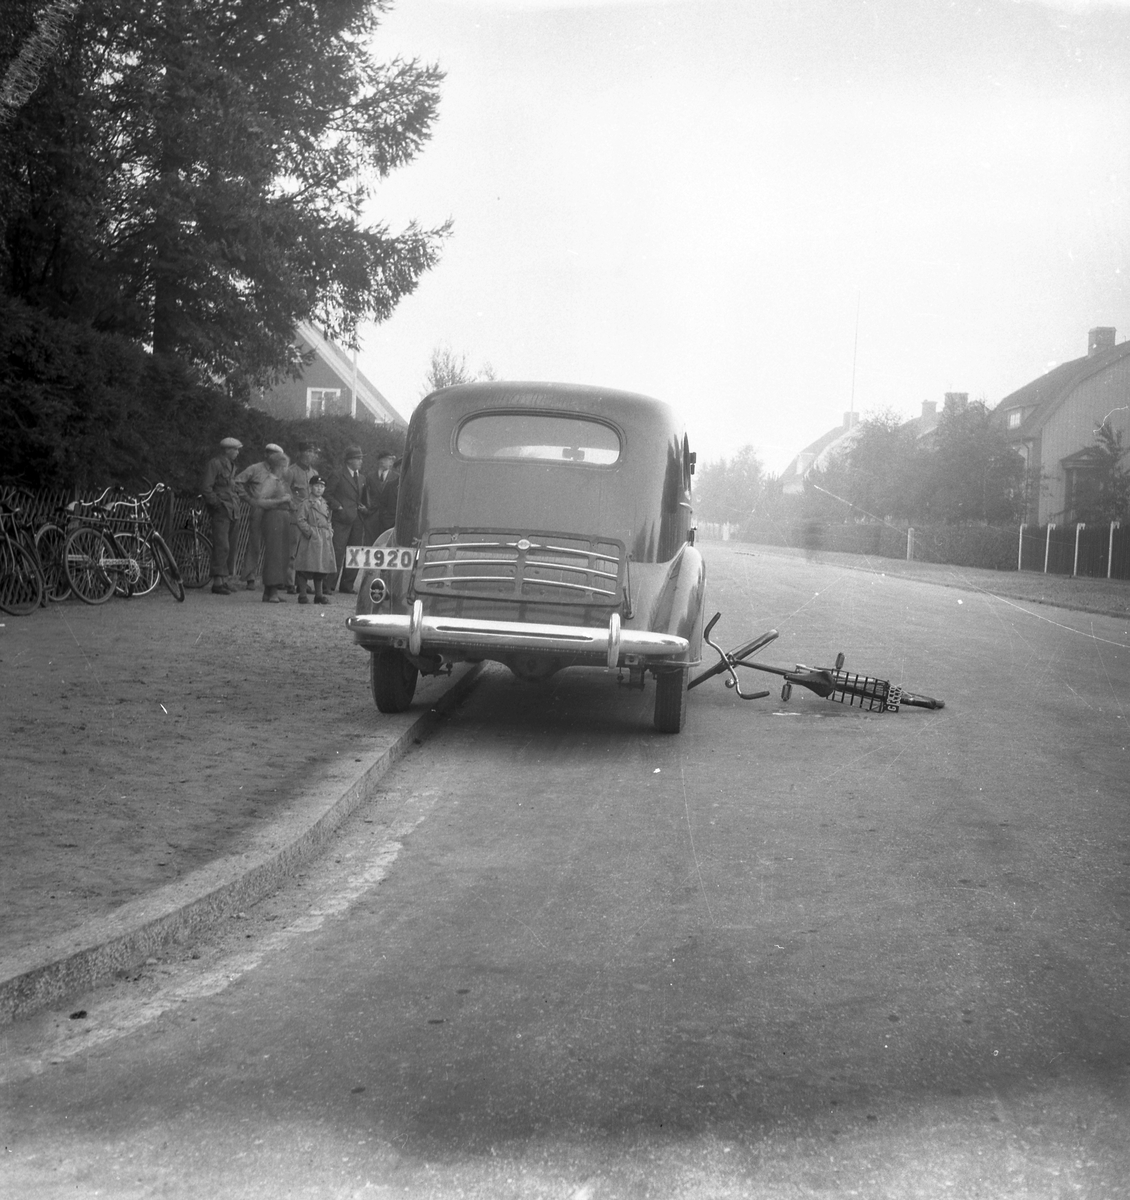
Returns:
(192,174)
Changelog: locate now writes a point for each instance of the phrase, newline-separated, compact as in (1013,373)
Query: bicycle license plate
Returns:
(379,558)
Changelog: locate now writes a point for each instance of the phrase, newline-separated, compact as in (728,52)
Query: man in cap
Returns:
(298,476)
(248,482)
(218,489)
(384,489)
(348,498)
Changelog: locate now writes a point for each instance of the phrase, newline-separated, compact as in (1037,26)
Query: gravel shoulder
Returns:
(144,739)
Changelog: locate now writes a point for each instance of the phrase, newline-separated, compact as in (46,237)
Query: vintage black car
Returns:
(541,526)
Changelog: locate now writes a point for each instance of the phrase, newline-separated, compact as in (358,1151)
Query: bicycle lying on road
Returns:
(830,683)
(115,549)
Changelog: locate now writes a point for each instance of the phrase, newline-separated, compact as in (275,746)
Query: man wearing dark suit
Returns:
(384,489)
(348,498)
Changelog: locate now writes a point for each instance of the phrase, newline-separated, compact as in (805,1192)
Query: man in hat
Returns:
(348,498)
(384,489)
(298,476)
(248,482)
(218,489)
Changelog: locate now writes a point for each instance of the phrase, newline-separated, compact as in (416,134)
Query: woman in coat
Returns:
(274,498)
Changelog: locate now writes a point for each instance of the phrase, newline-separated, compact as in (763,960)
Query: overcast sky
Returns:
(704,200)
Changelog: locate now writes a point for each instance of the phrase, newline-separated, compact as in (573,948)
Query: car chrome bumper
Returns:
(418,633)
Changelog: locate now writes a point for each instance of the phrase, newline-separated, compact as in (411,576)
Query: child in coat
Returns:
(315,556)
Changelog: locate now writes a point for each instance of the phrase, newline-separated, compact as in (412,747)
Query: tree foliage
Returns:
(972,472)
(446,368)
(876,477)
(963,472)
(1102,493)
(83,409)
(191,175)
(728,491)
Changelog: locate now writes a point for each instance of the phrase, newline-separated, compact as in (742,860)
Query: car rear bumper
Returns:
(612,645)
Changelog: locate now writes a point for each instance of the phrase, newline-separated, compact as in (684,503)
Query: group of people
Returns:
(300,524)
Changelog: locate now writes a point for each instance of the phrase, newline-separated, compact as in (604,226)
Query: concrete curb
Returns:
(186,909)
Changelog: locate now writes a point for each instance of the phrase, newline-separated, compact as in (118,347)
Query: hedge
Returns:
(82,409)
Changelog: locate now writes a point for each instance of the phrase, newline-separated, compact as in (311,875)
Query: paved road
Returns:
(798,951)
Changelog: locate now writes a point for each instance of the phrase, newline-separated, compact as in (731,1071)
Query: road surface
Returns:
(797,951)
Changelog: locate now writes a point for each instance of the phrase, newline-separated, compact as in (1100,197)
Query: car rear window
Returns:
(546,437)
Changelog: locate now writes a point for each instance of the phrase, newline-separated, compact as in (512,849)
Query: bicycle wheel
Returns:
(84,554)
(49,543)
(167,566)
(147,574)
(21,584)
(193,552)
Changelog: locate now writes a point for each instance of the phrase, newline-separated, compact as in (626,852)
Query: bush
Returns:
(988,546)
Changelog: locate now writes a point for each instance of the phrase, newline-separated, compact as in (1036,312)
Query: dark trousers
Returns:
(223,543)
(318,578)
(348,535)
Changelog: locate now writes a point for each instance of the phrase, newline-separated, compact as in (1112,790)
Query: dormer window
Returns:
(1014,418)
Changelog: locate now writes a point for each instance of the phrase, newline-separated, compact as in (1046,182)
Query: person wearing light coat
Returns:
(314,558)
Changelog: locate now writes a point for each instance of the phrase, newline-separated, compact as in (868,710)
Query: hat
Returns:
(231,444)
(354,452)
(317,479)
(387,454)
(307,446)
(272,448)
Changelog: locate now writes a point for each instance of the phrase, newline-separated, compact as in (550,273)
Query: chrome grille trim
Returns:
(526,569)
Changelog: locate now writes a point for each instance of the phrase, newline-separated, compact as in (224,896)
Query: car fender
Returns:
(395,581)
(676,606)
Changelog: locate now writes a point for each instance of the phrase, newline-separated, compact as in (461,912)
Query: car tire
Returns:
(393,680)
(671,701)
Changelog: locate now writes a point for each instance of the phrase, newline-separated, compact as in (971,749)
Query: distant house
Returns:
(1052,421)
(329,386)
(839,441)
(829,445)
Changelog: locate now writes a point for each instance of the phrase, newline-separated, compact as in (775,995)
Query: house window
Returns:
(1014,419)
(321,402)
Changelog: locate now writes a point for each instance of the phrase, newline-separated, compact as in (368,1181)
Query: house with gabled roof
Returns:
(1052,421)
(331,385)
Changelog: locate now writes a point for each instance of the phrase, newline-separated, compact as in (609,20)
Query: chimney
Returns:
(929,412)
(1099,339)
(956,401)
(851,419)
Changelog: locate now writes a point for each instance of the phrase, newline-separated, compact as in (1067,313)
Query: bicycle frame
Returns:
(830,683)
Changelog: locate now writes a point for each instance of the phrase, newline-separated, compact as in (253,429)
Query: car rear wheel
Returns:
(671,701)
(393,679)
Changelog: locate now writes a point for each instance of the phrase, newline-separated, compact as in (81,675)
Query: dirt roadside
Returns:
(1109,597)
(145,738)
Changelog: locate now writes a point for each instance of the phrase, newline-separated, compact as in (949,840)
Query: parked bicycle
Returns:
(114,548)
(46,544)
(192,548)
(830,683)
(21,580)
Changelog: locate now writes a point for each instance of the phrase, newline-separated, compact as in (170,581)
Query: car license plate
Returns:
(380,558)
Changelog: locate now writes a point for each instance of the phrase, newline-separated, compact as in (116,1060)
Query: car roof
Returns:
(629,407)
